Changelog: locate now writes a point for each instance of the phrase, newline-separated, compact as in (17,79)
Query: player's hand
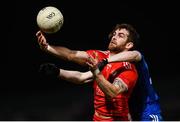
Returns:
(42,40)
(93,63)
(49,70)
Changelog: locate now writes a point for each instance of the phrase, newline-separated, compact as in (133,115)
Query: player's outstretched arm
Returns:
(64,53)
(50,70)
(76,77)
(129,56)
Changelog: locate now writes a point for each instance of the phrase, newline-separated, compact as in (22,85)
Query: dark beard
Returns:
(115,50)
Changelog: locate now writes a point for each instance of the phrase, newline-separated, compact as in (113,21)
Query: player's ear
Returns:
(129,45)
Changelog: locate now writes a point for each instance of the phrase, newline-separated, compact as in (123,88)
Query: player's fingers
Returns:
(40,39)
(38,33)
(96,58)
(96,55)
(92,67)
(89,64)
(91,59)
(44,42)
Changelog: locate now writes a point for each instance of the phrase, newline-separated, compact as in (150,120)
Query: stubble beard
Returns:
(114,49)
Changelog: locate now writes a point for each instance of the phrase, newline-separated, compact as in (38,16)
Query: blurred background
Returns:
(25,95)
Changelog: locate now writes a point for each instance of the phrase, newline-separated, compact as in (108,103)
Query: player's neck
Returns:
(114,52)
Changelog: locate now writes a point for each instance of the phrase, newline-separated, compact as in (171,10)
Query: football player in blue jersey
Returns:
(144,103)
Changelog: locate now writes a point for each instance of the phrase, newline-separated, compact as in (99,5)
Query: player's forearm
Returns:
(75,76)
(108,89)
(60,52)
(130,56)
(66,54)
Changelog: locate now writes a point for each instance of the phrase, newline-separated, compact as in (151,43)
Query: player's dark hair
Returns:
(133,35)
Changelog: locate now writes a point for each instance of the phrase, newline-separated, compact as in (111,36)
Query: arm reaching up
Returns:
(79,57)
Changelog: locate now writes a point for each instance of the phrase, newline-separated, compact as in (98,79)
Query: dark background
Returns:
(25,95)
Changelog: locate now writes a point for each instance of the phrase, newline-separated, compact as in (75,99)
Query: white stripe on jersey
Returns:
(154,118)
(127,65)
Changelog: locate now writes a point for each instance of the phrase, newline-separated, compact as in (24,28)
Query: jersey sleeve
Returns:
(128,75)
(90,52)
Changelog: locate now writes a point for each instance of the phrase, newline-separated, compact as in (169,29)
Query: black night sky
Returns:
(27,96)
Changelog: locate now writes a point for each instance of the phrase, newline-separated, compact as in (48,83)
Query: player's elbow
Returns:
(111,95)
(137,56)
(85,77)
(70,56)
(79,79)
(114,93)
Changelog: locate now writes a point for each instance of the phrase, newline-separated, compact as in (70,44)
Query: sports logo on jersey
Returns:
(154,118)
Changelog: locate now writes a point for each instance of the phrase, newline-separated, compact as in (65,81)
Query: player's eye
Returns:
(114,34)
(121,35)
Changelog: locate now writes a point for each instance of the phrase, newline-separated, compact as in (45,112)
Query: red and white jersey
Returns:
(126,71)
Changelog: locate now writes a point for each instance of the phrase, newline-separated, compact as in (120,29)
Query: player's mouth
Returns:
(113,42)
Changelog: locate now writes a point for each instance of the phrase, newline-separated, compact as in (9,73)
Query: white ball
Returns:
(50,19)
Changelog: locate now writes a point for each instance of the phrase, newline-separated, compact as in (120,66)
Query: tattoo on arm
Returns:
(120,85)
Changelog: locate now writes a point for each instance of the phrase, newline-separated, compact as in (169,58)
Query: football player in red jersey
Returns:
(114,84)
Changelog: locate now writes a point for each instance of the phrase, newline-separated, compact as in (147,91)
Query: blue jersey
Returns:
(144,99)
(146,83)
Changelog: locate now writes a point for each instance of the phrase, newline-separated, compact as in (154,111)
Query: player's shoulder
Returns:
(124,64)
(107,52)
(128,65)
(95,50)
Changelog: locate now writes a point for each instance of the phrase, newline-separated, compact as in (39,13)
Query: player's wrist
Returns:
(96,71)
(102,64)
(48,47)
(45,47)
